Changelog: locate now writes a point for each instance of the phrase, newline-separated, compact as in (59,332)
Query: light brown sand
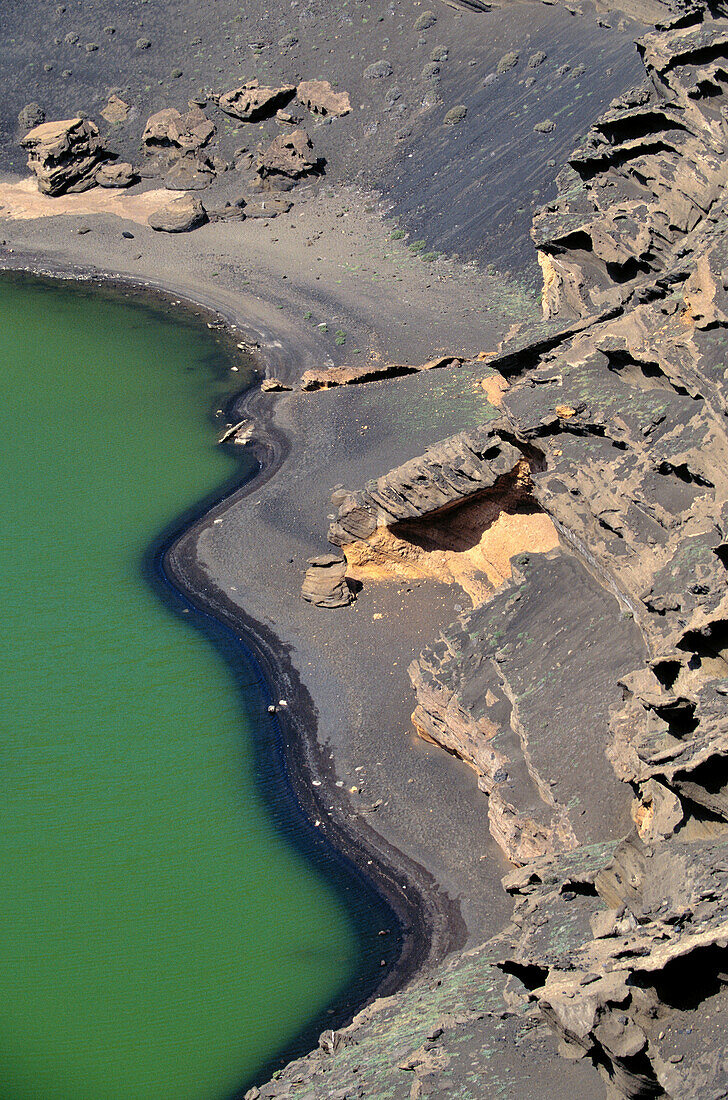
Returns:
(22,201)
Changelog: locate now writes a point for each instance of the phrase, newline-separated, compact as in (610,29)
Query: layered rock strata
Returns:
(324,378)
(599,671)
(64,156)
(325,583)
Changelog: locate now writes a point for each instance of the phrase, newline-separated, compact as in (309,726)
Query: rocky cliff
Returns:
(587,686)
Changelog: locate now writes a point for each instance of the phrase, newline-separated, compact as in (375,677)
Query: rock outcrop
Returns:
(116,110)
(269,207)
(626,960)
(320,98)
(64,155)
(589,691)
(508,702)
(289,156)
(323,378)
(115,174)
(452,1027)
(175,133)
(273,385)
(648,173)
(177,146)
(457,468)
(250,102)
(325,583)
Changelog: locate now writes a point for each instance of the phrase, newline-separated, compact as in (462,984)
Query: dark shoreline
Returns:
(430,921)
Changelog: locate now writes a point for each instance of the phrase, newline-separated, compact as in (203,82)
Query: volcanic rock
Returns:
(320,98)
(269,207)
(378,70)
(116,110)
(179,215)
(508,61)
(250,102)
(170,130)
(189,173)
(456,115)
(289,155)
(31,115)
(64,155)
(325,582)
(424,21)
(115,174)
(323,378)
(273,385)
(226,209)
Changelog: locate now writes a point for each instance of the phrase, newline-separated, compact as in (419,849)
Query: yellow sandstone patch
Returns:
(480,567)
(495,387)
(23,201)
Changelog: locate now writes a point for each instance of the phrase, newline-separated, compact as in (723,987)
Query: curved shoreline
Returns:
(431,922)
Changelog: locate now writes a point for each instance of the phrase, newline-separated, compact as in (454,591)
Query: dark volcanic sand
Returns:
(332,257)
(362,696)
(466,190)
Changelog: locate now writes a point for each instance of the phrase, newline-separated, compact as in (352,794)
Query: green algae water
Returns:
(164,933)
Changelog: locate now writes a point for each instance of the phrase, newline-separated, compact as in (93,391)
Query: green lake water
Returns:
(167,927)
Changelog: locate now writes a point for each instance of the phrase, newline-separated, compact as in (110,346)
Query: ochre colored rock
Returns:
(318,96)
(273,385)
(250,102)
(168,129)
(190,172)
(269,207)
(288,155)
(116,110)
(324,378)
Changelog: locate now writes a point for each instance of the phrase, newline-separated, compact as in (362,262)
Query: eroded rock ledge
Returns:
(590,685)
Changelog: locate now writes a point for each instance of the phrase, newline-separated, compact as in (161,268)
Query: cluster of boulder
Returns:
(179,145)
(69,156)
